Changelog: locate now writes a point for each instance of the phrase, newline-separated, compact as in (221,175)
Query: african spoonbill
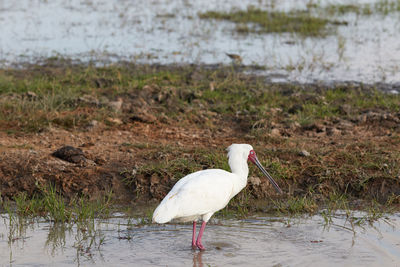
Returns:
(200,194)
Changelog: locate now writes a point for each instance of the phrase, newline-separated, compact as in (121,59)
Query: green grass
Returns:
(328,104)
(260,21)
(54,207)
(314,22)
(239,207)
(176,94)
(295,205)
(383,7)
(55,92)
(64,216)
(387,6)
(175,166)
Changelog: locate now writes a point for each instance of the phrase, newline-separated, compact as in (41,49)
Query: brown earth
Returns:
(27,160)
(112,156)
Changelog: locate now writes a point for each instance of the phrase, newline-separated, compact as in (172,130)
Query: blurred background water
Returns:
(366,49)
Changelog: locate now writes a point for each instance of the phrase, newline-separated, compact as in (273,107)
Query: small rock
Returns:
(32,151)
(212,86)
(115,105)
(92,124)
(294,125)
(255,181)
(88,99)
(295,108)
(144,116)
(114,120)
(373,116)
(345,109)
(332,131)
(148,88)
(154,179)
(31,95)
(211,114)
(88,144)
(362,118)
(319,128)
(99,161)
(345,125)
(275,132)
(393,118)
(70,154)
(275,111)
(304,153)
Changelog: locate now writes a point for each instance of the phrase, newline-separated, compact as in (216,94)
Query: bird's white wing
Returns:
(196,194)
(203,192)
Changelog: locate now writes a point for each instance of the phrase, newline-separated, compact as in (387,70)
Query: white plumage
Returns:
(200,194)
(188,202)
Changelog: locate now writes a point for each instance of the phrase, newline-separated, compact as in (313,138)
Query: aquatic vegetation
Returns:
(295,205)
(116,239)
(383,7)
(51,205)
(298,22)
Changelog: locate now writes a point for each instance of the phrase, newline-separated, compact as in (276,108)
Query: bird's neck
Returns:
(241,169)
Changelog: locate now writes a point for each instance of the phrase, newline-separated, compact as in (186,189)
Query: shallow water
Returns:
(170,31)
(256,241)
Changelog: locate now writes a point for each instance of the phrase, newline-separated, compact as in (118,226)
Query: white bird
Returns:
(200,194)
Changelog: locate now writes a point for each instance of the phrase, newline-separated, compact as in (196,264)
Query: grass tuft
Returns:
(260,21)
(52,205)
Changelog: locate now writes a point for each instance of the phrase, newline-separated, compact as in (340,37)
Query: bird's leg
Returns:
(194,235)
(198,242)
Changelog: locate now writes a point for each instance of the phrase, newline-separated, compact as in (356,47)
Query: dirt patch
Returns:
(28,161)
(116,158)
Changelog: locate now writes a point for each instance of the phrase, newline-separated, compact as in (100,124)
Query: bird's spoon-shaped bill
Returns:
(276,186)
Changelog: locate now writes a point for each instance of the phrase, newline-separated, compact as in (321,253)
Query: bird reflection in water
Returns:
(197,259)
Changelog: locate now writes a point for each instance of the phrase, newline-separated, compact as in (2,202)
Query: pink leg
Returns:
(198,242)
(194,235)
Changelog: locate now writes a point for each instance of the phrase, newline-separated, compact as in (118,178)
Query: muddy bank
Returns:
(141,128)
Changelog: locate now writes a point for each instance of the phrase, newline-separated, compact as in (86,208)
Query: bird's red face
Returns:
(253,158)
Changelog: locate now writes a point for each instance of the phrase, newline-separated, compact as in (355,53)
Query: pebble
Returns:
(332,131)
(304,153)
(275,132)
(115,120)
(255,181)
